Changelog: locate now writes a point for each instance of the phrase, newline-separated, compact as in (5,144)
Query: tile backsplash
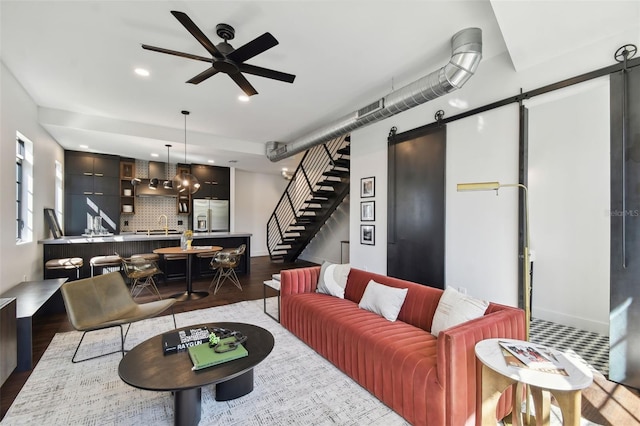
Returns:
(149,209)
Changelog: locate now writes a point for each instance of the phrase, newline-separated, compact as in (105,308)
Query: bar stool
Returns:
(147,256)
(172,258)
(103,262)
(66,264)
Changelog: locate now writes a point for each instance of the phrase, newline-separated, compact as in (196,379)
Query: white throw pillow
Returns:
(383,300)
(333,279)
(455,308)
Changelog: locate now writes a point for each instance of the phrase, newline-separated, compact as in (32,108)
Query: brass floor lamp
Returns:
(526,267)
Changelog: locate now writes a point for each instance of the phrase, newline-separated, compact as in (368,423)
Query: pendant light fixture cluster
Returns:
(186,182)
(168,184)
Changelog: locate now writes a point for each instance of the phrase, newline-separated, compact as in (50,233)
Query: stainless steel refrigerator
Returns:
(211,215)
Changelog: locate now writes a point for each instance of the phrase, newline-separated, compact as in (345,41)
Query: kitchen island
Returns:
(126,244)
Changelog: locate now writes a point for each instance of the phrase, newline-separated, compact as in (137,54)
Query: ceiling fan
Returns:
(226,59)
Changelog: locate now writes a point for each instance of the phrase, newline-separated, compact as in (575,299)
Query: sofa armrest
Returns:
(301,280)
(457,364)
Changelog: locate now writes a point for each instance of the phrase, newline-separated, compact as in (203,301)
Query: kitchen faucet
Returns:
(166,223)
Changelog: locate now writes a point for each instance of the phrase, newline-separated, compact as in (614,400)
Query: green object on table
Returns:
(204,356)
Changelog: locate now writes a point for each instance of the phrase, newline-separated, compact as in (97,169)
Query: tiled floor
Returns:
(591,347)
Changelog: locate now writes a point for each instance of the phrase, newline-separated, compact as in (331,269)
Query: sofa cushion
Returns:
(383,300)
(455,308)
(333,279)
(419,305)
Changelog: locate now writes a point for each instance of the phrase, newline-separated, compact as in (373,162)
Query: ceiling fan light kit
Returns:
(226,59)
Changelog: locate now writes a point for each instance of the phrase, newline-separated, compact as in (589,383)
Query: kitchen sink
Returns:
(158,231)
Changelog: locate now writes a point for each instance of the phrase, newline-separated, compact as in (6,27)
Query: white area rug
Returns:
(293,385)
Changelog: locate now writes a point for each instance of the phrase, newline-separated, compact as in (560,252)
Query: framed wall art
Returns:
(368,235)
(367,211)
(368,187)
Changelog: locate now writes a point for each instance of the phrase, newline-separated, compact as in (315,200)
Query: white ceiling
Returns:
(76,60)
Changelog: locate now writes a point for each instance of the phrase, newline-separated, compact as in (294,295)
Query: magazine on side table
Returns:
(529,355)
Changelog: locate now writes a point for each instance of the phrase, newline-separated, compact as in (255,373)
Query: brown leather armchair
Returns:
(104,301)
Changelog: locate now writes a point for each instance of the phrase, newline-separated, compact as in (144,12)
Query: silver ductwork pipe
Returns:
(466,47)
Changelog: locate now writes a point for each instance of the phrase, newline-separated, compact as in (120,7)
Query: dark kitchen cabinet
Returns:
(92,187)
(214,182)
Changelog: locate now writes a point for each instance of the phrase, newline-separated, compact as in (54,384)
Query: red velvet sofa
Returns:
(427,380)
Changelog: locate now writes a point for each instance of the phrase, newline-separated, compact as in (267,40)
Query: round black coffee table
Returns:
(146,367)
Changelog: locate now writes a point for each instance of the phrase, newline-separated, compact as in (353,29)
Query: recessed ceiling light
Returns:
(153,154)
(141,72)
(284,169)
(84,146)
(243,98)
(210,161)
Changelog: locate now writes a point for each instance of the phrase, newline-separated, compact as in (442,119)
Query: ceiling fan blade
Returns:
(203,76)
(256,46)
(176,53)
(195,31)
(246,87)
(265,72)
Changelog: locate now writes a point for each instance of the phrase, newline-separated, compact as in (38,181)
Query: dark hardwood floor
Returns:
(604,402)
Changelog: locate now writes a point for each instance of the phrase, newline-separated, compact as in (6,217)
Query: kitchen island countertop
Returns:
(132,236)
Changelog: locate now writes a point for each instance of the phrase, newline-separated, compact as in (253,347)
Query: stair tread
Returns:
(336,173)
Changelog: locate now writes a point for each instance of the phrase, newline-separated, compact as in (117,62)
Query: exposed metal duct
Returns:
(466,47)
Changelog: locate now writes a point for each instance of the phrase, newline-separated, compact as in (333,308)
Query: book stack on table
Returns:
(177,341)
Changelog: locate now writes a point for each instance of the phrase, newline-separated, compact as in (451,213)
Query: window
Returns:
(24,189)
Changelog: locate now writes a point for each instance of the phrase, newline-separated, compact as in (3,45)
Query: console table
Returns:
(8,342)
(33,297)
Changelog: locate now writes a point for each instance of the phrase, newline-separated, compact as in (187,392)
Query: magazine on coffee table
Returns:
(529,355)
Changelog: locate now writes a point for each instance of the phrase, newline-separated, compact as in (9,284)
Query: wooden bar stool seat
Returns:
(105,262)
(66,263)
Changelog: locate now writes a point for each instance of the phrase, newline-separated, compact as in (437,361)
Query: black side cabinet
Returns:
(214,182)
(92,188)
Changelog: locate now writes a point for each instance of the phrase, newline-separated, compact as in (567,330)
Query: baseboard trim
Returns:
(572,321)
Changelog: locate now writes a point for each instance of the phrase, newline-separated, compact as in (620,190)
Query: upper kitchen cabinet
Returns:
(92,188)
(214,182)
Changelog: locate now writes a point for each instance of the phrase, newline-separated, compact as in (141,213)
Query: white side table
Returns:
(498,376)
(274,284)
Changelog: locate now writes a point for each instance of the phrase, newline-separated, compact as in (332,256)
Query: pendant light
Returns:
(168,184)
(186,182)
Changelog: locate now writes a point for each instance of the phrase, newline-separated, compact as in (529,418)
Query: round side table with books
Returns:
(506,362)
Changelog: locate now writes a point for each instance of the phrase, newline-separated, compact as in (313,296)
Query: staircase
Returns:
(316,189)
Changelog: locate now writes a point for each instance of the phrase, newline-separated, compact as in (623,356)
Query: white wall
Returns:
(569,175)
(326,244)
(18,112)
(256,195)
(481,253)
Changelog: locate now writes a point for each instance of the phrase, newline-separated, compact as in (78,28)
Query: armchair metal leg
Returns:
(121,350)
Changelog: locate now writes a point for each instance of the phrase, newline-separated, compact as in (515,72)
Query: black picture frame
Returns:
(368,235)
(52,221)
(368,187)
(367,211)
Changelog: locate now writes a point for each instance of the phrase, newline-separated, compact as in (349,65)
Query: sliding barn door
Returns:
(416,228)
(624,318)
